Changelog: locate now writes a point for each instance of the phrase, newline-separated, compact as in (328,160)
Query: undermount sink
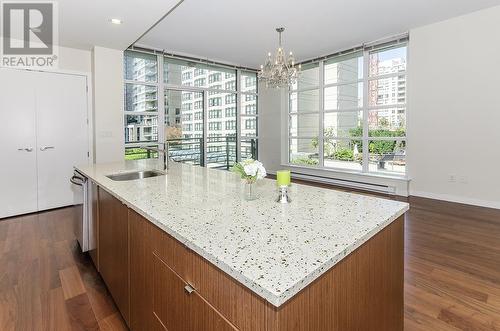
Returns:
(135,175)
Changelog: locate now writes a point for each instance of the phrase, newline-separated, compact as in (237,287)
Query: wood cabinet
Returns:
(178,306)
(113,249)
(166,286)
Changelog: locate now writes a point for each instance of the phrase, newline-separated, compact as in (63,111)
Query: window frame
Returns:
(206,91)
(364,108)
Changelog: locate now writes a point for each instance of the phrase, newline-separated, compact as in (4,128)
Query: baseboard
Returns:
(456,199)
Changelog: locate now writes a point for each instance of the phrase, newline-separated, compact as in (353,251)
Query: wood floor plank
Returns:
(71,281)
(55,315)
(113,322)
(80,313)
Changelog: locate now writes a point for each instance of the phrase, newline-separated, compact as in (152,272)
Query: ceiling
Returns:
(85,23)
(242,32)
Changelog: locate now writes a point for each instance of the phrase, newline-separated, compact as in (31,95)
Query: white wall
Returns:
(269,128)
(72,59)
(454,109)
(107,71)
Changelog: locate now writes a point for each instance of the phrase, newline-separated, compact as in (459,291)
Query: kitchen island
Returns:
(185,251)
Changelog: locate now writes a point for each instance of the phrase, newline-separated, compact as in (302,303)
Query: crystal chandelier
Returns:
(280,72)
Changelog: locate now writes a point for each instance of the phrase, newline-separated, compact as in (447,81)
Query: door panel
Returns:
(62,135)
(18,177)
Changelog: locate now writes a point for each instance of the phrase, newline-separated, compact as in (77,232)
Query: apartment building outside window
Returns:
(188,102)
(348,112)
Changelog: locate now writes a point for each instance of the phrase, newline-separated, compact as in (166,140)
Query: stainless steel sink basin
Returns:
(135,175)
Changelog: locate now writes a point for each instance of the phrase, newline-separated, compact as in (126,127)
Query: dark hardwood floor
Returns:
(45,283)
(452,273)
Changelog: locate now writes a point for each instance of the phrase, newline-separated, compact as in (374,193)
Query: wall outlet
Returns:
(463,180)
(452,178)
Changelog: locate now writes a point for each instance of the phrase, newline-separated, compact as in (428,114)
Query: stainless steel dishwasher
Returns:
(82,225)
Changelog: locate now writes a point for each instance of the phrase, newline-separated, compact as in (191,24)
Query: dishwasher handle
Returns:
(77,180)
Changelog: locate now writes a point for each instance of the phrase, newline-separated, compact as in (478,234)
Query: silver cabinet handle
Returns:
(27,149)
(46,148)
(189,289)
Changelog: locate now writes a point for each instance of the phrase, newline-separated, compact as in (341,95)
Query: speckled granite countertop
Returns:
(275,250)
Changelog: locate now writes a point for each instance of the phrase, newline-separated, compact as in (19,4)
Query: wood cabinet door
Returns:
(113,249)
(176,307)
(141,274)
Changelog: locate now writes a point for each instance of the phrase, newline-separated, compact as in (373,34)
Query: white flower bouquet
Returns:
(250,170)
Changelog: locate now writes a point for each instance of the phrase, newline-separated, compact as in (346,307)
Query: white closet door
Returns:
(18,176)
(62,136)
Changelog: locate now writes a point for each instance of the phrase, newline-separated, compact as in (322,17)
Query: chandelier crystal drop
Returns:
(281,71)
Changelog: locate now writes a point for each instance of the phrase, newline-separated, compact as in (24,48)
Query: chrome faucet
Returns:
(161,151)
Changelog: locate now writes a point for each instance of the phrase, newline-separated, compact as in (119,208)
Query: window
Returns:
(140,104)
(215,126)
(140,67)
(230,98)
(231,125)
(212,78)
(214,102)
(197,97)
(215,87)
(230,86)
(215,113)
(178,114)
(332,126)
(231,112)
(198,105)
(250,123)
(200,82)
(250,109)
(250,97)
(140,98)
(141,128)
(248,82)
(249,117)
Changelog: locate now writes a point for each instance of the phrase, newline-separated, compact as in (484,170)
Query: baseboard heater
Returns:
(347,183)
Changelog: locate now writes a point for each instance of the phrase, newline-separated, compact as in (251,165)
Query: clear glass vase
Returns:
(250,190)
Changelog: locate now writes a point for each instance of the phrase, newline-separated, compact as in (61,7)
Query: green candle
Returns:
(283,177)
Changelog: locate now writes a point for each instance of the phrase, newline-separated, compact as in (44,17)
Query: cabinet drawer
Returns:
(244,309)
(179,307)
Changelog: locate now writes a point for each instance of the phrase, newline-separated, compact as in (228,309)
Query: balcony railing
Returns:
(221,151)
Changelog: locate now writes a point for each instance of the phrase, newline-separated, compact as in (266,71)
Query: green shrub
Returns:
(344,154)
(305,161)
(378,147)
